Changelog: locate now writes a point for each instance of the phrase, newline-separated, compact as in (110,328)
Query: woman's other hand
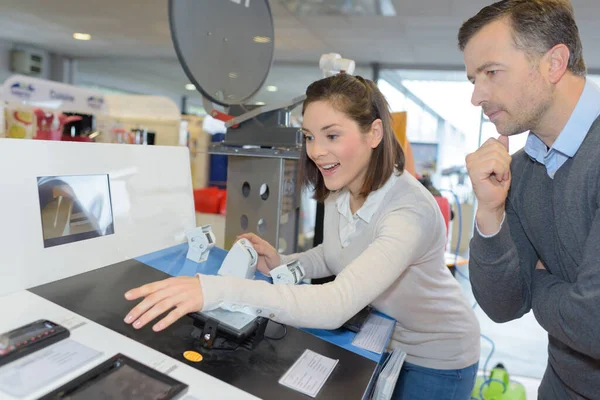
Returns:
(268,257)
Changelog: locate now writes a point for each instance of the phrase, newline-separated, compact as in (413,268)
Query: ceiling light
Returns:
(233,75)
(271,88)
(262,39)
(82,36)
(190,86)
(260,103)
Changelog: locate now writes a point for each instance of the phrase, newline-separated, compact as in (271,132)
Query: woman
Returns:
(384,239)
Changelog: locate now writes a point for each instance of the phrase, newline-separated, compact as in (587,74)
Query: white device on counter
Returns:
(200,241)
(288,274)
(240,261)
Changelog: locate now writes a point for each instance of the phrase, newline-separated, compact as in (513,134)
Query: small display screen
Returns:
(74,208)
(11,340)
(124,383)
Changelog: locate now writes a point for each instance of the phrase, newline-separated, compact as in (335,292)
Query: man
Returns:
(537,239)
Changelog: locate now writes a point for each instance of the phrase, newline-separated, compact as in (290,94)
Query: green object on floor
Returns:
(498,386)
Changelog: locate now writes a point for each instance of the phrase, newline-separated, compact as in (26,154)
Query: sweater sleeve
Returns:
(401,237)
(501,268)
(570,312)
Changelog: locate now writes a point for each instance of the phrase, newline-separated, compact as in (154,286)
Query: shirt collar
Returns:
(370,206)
(569,140)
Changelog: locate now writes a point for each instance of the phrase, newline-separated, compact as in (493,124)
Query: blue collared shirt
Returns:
(566,145)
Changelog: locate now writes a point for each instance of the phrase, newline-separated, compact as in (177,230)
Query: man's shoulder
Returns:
(591,143)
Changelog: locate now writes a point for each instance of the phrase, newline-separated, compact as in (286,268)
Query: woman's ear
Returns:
(376,133)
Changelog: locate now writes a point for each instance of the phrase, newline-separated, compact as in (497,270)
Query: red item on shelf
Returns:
(47,129)
(210,200)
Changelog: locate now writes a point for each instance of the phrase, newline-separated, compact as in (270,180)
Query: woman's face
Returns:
(336,145)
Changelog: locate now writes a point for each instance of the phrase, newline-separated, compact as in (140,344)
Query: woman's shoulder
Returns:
(409,207)
(408,194)
(407,189)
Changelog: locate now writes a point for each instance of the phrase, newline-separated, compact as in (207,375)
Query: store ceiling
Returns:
(422,34)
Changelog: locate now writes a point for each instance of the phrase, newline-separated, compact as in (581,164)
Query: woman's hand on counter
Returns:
(181,295)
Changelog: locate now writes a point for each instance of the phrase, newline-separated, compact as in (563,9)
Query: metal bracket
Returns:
(209,333)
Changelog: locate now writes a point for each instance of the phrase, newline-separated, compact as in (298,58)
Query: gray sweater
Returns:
(557,221)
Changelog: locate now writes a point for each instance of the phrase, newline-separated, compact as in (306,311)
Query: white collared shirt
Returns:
(351,225)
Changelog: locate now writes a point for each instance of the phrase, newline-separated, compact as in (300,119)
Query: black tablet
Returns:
(233,324)
(120,378)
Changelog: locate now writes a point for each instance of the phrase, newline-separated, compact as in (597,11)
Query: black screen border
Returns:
(110,366)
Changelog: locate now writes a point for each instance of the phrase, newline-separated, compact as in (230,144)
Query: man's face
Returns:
(507,85)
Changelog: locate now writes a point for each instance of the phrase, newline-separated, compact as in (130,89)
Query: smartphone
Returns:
(29,338)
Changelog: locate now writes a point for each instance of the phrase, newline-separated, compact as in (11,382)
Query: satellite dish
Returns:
(224,46)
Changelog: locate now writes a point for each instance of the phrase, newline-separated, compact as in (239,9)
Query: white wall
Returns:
(152,77)
(167,78)
(159,76)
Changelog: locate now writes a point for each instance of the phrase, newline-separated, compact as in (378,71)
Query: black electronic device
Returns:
(29,338)
(356,323)
(120,378)
(221,329)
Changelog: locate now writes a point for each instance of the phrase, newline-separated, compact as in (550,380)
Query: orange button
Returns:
(192,356)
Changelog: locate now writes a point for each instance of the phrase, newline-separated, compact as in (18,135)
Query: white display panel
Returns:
(151,197)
